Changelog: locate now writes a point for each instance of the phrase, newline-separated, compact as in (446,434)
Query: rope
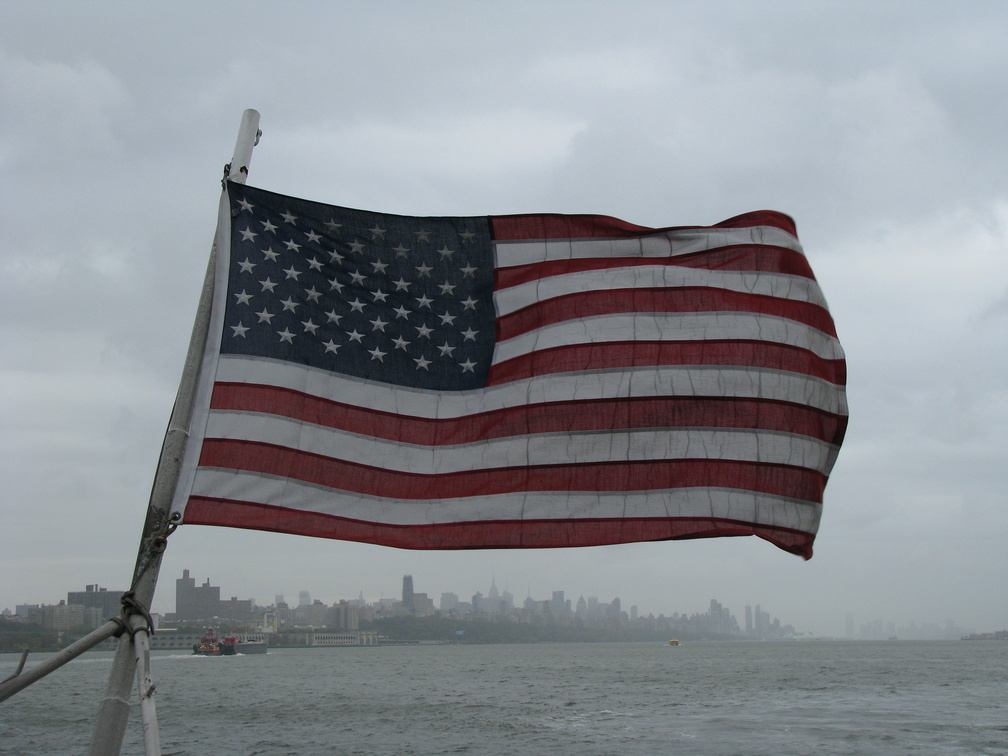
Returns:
(130,605)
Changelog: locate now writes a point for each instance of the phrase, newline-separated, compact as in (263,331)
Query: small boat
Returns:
(209,644)
(230,645)
(673,642)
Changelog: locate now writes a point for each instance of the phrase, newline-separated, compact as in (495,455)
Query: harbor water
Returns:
(821,697)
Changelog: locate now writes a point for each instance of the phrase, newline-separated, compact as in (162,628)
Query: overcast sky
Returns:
(880,127)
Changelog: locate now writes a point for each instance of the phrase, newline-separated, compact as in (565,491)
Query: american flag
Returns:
(512,381)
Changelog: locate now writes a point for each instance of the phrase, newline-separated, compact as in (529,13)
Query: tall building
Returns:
(558,603)
(194,603)
(95,597)
(716,615)
(449,601)
(407,593)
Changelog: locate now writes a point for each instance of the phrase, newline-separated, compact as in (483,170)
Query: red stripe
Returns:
(340,475)
(531,534)
(754,258)
(625,354)
(555,226)
(693,299)
(574,416)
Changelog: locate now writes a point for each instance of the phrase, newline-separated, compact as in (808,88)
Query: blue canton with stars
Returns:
(384,297)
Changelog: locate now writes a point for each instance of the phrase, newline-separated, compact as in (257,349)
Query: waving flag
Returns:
(512,382)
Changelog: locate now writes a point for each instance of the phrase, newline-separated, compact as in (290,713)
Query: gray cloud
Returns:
(879,128)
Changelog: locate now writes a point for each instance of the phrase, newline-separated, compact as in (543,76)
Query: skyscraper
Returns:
(407,594)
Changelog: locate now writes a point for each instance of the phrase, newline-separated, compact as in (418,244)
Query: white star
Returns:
(377,354)
(357,278)
(334,317)
(314,264)
(292,273)
(378,325)
(356,246)
(467,366)
(468,271)
(377,232)
(286,335)
(243,203)
(379,295)
(400,343)
(421,362)
(335,284)
(246,265)
(357,306)
(268,227)
(467,236)
(309,326)
(248,235)
(354,336)
(401,312)
(292,245)
(333,226)
(469,304)
(446,288)
(423,331)
(445,252)
(400,251)
(313,237)
(267,285)
(469,334)
(288,218)
(446,350)
(239,330)
(424,301)
(243,298)
(335,257)
(265,317)
(401,284)
(270,255)
(447,319)
(313,296)
(422,235)
(424,270)
(379,266)
(331,346)
(289,304)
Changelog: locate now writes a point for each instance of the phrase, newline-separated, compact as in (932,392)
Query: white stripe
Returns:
(779,285)
(668,328)
(745,445)
(648,381)
(663,244)
(744,506)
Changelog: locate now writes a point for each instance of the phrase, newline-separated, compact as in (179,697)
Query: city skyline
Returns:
(750,616)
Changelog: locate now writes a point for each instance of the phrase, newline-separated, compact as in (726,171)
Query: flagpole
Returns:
(110,724)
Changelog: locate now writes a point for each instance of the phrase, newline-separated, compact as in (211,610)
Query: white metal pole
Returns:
(20,681)
(110,724)
(145,682)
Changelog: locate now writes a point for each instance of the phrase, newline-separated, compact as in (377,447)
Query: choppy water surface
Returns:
(699,698)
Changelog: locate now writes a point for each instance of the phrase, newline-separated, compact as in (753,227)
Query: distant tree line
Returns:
(435,628)
(17,636)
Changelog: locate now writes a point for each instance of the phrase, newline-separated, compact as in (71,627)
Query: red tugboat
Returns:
(209,645)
